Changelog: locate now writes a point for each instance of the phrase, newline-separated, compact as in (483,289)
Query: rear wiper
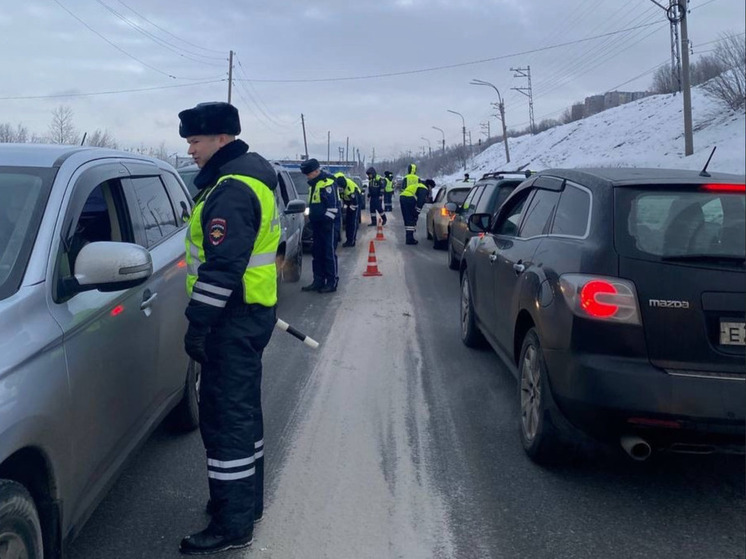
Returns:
(729,258)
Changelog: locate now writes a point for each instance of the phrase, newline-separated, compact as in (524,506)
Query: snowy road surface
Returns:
(394,440)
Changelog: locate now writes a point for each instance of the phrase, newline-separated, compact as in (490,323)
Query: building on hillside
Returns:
(578,111)
(615,98)
(594,104)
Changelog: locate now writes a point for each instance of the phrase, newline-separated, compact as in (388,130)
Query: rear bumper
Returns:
(607,396)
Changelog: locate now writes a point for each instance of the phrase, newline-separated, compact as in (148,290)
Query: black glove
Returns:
(194,343)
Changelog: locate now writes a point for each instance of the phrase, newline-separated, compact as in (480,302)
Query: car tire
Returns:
(439,244)
(292,271)
(185,416)
(453,262)
(20,529)
(427,229)
(539,436)
(470,334)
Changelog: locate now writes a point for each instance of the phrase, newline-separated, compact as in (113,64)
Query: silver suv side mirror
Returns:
(110,266)
(295,207)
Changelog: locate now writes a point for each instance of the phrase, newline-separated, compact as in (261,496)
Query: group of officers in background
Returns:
(331,195)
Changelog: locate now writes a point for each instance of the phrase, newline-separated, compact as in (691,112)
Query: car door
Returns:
(159,220)
(292,223)
(110,343)
(514,259)
(504,229)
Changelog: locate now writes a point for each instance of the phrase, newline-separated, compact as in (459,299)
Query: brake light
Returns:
(444,212)
(734,188)
(592,299)
(601,298)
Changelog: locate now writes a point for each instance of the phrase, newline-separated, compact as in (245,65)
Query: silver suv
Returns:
(92,302)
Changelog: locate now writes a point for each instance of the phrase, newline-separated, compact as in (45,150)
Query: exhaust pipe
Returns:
(637,448)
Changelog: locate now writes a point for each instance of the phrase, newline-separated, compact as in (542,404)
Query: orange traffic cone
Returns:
(372,269)
(379,233)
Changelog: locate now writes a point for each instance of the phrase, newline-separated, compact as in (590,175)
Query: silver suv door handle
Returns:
(493,257)
(519,268)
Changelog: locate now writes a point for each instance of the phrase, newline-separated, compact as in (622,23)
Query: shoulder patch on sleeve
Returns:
(328,189)
(216,231)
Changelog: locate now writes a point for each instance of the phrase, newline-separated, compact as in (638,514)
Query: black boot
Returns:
(383,219)
(410,238)
(372,222)
(315,286)
(210,541)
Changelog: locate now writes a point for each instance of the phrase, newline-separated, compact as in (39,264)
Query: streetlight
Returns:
(444,137)
(501,106)
(429,146)
(463,124)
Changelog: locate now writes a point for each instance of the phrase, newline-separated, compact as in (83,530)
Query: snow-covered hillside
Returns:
(645,133)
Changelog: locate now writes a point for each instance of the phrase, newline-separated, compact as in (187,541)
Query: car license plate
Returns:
(732,333)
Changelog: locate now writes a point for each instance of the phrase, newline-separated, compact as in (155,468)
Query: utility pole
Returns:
(230,75)
(487,126)
(463,125)
(675,52)
(501,106)
(328,145)
(429,146)
(341,153)
(305,142)
(688,133)
(676,13)
(347,150)
(373,158)
(527,91)
(444,137)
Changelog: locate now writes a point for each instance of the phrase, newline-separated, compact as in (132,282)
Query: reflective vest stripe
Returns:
(213,289)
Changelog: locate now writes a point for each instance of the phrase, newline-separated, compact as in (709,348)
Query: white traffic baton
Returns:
(282,325)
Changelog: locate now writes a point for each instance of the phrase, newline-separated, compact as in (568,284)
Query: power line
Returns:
(165,44)
(90,94)
(449,66)
(124,51)
(168,32)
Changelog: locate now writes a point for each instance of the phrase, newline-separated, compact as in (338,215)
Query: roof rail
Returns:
(499,174)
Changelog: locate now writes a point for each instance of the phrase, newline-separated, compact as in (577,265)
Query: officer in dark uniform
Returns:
(350,194)
(376,186)
(325,218)
(413,196)
(232,241)
(388,191)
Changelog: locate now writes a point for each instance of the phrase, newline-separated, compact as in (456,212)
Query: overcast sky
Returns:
(177,46)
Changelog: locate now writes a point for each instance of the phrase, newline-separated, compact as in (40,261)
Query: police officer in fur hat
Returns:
(232,242)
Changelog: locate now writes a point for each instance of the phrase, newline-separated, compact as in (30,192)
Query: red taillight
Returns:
(119,309)
(181,264)
(591,299)
(735,188)
(648,422)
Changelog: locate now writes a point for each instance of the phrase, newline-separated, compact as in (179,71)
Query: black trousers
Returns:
(387,201)
(352,218)
(375,206)
(231,421)
(409,215)
(325,238)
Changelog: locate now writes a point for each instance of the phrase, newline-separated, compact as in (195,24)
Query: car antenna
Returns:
(82,142)
(703,172)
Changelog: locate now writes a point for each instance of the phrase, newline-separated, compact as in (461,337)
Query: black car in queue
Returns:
(617,299)
(486,196)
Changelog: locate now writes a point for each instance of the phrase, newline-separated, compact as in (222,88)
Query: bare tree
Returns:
(102,138)
(9,134)
(61,129)
(664,80)
(730,86)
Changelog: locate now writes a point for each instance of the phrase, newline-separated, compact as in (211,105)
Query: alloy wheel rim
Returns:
(530,393)
(12,547)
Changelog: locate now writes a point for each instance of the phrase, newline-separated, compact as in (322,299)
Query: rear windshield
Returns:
(457,195)
(24,193)
(674,223)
